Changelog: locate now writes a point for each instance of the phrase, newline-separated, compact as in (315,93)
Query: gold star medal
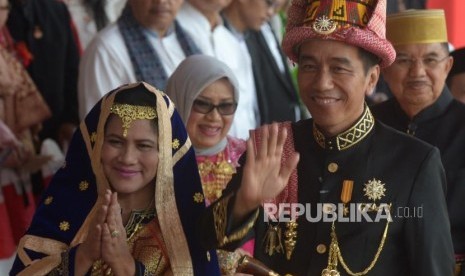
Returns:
(374,190)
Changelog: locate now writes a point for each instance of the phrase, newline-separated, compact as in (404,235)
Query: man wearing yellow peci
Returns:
(423,106)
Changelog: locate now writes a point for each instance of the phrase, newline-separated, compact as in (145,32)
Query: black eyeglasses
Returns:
(206,107)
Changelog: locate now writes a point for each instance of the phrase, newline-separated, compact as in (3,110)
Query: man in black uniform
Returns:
(341,159)
(423,105)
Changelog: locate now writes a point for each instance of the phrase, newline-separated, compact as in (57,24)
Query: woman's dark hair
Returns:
(138,95)
(97,9)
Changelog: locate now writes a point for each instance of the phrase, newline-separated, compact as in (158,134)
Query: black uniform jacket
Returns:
(418,239)
(443,126)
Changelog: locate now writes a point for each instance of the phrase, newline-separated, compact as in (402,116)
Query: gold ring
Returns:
(114,233)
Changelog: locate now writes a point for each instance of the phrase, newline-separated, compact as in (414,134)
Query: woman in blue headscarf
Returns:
(127,199)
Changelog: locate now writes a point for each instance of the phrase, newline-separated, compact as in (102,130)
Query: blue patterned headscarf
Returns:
(64,214)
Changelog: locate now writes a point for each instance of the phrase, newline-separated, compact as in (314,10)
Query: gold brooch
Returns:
(129,113)
(175,144)
(48,200)
(324,25)
(374,189)
(64,226)
(198,197)
(83,185)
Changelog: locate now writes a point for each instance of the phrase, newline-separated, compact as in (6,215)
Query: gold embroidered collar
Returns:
(348,138)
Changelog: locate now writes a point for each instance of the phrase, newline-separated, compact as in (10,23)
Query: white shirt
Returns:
(168,49)
(85,23)
(106,64)
(220,43)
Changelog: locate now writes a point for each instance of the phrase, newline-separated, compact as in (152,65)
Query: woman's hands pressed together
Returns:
(115,250)
(106,240)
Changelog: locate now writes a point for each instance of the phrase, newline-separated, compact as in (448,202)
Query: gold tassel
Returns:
(290,238)
(272,240)
(331,269)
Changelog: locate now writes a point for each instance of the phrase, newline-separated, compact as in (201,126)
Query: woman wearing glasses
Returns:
(205,93)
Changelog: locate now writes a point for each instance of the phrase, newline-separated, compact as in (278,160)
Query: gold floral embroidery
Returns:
(198,197)
(176,144)
(48,200)
(84,185)
(64,226)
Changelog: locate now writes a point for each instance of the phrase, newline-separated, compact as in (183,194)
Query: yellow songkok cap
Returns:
(416,26)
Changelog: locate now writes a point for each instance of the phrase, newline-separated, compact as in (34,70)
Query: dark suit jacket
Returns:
(277,97)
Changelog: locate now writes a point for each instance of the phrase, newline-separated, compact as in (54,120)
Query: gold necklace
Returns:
(335,255)
(133,228)
(215,176)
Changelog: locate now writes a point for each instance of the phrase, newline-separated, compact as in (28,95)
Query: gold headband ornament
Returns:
(129,113)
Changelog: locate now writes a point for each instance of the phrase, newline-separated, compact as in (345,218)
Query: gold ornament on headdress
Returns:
(129,113)
(324,25)
(326,18)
